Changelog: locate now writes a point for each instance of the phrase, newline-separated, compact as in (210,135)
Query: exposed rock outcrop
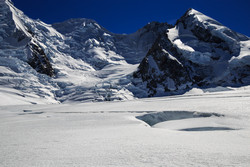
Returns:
(38,60)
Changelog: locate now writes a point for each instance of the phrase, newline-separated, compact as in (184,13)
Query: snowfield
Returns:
(200,128)
(69,93)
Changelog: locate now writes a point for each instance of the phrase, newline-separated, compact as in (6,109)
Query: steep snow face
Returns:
(12,31)
(90,42)
(204,51)
(31,57)
(15,55)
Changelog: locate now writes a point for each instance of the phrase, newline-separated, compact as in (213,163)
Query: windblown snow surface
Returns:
(208,127)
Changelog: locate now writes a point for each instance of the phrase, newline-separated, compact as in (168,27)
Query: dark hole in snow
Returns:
(36,113)
(26,112)
(155,118)
(207,129)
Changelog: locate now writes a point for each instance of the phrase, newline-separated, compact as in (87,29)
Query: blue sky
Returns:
(127,16)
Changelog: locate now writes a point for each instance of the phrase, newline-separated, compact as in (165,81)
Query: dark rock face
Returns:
(134,47)
(38,60)
(240,75)
(159,67)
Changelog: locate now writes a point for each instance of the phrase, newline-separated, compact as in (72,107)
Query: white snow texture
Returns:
(101,121)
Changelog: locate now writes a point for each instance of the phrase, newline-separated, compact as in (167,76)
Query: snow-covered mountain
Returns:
(87,39)
(71,54)
(198,51)
(79,60)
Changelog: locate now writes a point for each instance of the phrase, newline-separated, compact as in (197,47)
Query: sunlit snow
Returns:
(205,129)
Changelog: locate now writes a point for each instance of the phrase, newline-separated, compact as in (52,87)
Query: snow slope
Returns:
(108,133)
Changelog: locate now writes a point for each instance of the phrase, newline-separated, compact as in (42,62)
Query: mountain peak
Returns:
(192,17)
(192,11)
(201,49)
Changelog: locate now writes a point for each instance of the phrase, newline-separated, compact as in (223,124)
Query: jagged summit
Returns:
(197,52)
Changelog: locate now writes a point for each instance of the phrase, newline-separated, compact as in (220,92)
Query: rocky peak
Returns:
(198,51)
(209,30)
